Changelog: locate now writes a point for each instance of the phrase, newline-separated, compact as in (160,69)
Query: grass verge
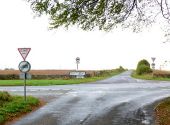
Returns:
(143,76)
(58,81)
(162,112)
(15,106)
(149,76)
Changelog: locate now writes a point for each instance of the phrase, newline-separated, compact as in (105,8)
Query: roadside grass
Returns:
(13,106)
(162,112)
(149,76)
(143,76)
(47,82)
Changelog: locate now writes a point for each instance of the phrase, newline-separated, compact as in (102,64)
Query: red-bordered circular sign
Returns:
(24,66)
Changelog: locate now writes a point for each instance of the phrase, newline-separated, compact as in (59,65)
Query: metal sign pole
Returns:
(77,66)
(25,86)
(24,66)
(77,61)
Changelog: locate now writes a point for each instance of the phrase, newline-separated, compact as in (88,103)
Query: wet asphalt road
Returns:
(120,100)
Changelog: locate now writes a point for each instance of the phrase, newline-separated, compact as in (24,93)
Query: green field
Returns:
(57,81)
(13,106)
(47,82)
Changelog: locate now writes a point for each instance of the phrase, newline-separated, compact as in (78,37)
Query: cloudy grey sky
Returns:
(57,49)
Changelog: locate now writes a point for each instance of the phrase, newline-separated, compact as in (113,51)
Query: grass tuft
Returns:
(162,112)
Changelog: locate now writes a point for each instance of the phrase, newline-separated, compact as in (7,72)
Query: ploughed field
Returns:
(44,72)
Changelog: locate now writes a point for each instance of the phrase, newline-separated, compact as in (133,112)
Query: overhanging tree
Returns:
(102,14)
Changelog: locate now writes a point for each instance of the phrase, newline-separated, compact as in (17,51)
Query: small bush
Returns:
(5,96)
(143,62)
(2,119)
(143,67)
(120,69)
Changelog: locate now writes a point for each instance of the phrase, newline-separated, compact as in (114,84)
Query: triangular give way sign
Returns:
(24,52)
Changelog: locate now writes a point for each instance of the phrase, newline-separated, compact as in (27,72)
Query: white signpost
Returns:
(153,64)
(78,74)
(22,76)
(77,62)
(24,52)
(153,58)
(24,66)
